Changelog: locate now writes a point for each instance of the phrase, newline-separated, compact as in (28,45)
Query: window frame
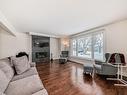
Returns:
(92,46)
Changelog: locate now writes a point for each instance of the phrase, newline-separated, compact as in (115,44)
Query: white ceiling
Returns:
(61,17)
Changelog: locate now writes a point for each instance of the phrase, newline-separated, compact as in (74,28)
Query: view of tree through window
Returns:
(88,46)
(84,47)
(74,47)
(98,46)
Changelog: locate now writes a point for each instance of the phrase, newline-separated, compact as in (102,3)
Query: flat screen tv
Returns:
(41,45)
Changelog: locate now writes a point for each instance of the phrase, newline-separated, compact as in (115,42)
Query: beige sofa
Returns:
(27,83)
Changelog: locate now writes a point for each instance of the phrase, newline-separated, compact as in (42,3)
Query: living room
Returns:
(63,47)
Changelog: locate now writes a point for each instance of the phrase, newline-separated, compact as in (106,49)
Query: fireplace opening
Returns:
(41,55)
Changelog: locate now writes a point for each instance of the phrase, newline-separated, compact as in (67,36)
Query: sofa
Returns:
(27,83)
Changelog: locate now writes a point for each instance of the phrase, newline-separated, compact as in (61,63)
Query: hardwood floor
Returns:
(68,79)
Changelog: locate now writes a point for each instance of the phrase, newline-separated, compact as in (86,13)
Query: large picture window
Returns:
(84,47)
(89,46)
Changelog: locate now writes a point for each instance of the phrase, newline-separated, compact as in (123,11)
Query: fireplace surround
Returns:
(40,49)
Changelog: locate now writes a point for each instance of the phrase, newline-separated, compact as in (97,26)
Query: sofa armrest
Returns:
(98,68)
(32,64)
(106,69)
(109,69)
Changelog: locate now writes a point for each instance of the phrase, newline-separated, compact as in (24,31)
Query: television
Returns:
(41,45)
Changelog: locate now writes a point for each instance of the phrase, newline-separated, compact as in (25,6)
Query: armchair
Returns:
(63,57)
(105,68)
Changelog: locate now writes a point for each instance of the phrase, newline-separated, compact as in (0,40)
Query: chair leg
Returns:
(92,74)
(84,72)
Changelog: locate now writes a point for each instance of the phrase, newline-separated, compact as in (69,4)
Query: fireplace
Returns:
(40,49)
(41,55)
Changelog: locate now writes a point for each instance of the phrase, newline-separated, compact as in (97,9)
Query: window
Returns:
(89,46)
(84,47)
(74,47)
(98,46)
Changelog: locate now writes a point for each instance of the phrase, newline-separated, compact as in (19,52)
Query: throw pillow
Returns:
(21,64)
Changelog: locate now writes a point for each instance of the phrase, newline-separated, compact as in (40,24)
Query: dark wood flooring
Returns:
(68,79)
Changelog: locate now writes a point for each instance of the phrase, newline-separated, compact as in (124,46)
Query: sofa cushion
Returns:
(98,67)
(2,93)
(31,71)
(41,92)
(21,64)
(4,81)
(25,86)
(7,69)
(5,60)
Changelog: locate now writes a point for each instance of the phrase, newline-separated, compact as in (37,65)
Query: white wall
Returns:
(64,43)
(57,45)
(11,45)
(54,47)
(115,40)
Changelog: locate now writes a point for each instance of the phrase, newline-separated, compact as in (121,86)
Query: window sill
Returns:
(84,58)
